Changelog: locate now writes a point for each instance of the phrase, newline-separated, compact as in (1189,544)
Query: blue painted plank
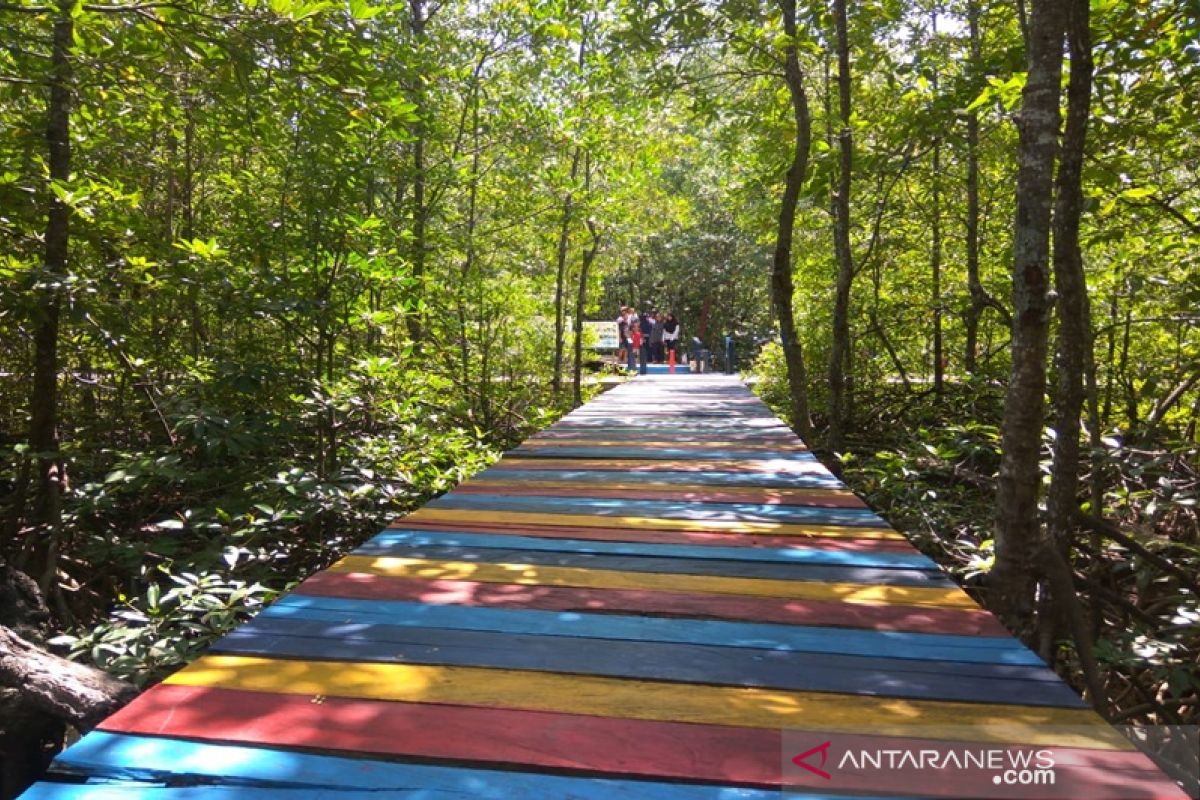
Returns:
(664,509)
(63,791)
(398,537)
(823,573)
(659,453)
(765,480)
(688,663)
(815,639)
(259,769)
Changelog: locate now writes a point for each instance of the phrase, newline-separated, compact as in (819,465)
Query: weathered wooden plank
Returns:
(698,538)
(385,543)
(962,621)
(455,515)
(593,744)
(785,445)
(526,573)
(264,769)
(770,569)
(586,473)
(489,736)
(664,509)
(768,467)
(628,699)
(631,451)
(277,637)
(757,635)
(688,493)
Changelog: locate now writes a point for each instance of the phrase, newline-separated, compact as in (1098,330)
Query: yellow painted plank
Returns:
(541,575)
(654,523)
(655,700)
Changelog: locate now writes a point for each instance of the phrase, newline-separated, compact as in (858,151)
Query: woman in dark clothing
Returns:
(671,333)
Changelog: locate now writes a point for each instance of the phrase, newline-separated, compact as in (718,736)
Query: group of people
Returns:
(648,337)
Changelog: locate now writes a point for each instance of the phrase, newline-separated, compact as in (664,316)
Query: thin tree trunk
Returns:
(195,312)
(974,285)
(468,265)
(560,283)
(589,256)
(1074,351)
(935,249)
(43,401)
(1017,531)
(782,287)
(841,240)
(420,215)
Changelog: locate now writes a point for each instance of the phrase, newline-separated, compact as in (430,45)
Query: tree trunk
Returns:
(841,240)
(935,249)
(43,401)
(420,215)
(781,264)
(974,285)
(1012,580)
(560,283)
(1074,312)
(40,693)
(1074,351)
(589,256)
(75,693)
(468,265)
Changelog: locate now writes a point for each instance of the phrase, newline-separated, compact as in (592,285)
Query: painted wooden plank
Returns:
(664,509)
(515,470)
(698,538)
(672,433)
(698,494)
(261,769)
(594,744)
(382,544)
(456,515)
(664,565)
(656,453)
(530,574)
(965,622)
(771,467)
(754,635)
(684,445)
(624,698)
(680,663)
(487,736)
(683,483)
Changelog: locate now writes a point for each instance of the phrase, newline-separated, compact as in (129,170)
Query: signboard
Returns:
(605,335)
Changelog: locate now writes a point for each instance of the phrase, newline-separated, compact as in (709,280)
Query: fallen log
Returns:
(74,693)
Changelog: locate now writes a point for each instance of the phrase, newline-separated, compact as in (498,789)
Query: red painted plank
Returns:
(612,745)
(504,736)
(361,586)
(715,539)
(780,497)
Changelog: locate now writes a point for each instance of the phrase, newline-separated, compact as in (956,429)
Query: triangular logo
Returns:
(823,749)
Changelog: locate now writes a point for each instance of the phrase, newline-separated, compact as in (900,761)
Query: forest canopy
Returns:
(275,272)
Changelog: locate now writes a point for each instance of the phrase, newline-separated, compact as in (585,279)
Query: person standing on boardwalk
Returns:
(633,325)
(623,342)
(645,327)
(671,333)
(656,339)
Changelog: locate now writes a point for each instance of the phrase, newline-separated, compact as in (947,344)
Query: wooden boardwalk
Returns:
(636,603)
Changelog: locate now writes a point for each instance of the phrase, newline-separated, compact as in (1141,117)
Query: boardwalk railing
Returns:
(662,596)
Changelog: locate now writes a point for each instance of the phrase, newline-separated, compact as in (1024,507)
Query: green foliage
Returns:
(313,268)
